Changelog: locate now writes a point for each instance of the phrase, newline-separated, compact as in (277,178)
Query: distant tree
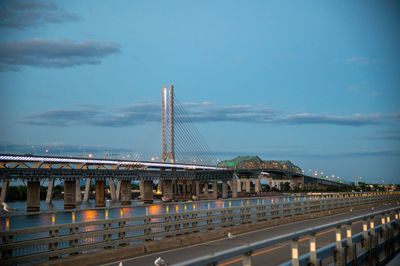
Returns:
(265,187)
(285,186)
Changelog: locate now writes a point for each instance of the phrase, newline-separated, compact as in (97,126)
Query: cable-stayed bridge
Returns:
(187,169)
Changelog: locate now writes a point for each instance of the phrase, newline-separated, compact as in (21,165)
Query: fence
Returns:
(41,243)
(371,244)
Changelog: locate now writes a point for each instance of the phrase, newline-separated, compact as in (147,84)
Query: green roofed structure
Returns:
(255,162)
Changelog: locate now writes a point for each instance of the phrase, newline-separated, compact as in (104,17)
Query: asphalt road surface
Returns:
(273,255)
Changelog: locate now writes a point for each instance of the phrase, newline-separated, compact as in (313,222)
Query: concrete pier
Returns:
(69,194)
(125,186)
(160,186)
(87,189)
(214,190)
(147,191)
(4,188)
(257,186)
(112,189)
(100,193)
(33,196)
(239,185)
(141,188)
(118,192)
(224,190)
(49,194)
(78,196)
(167,190)
(233,184)
(197,184)
(248,187)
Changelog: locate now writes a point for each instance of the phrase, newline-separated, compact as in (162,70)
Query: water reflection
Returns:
(90,215)
(155,209)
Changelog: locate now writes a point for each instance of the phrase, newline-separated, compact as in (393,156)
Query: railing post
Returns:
(365,238)
(313,250)
(54,234)
(167,227)
(121,235)
(389,237)
(209,220)
(295,251)
(384,229)
(147,231)
(246,257)
(73,243)
(350,245)
(339,252)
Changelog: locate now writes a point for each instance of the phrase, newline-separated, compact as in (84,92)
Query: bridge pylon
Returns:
(168,124)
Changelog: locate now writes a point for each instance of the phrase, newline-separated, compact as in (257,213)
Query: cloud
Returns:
(142,113)
(284,155)
(53,53)
(59,148)
(384,135)
(20,15)
(351,120)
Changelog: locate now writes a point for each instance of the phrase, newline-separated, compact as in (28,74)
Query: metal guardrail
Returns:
(41,243)
(344,252)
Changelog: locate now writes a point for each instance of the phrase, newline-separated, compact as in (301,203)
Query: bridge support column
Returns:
(49,194)
(147,192)
(167,190)
(125,186)
(100,195)
(234,186)
(257,186)
(224,190)
(214,190)
(248,188)
(112,189)
(69,194)
(33,196)
(160,186)
(141,188)
(118,192)
(78,192)
(239,185)
(87,189)
(197,188)
(4,188)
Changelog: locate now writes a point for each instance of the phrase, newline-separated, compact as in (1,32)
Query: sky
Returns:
(313,82)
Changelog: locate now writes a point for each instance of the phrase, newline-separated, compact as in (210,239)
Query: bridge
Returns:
(178,175)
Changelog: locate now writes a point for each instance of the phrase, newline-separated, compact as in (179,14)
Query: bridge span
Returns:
(175,181)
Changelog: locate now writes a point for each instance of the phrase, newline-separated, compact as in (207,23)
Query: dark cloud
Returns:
(58,148)
(20,15)
(53,53)
(143,113)
(352,120)
(289,154)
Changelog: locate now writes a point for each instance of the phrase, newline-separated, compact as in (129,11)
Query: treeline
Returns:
(19,192)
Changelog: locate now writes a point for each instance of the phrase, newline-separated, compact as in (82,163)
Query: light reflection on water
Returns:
(137,209)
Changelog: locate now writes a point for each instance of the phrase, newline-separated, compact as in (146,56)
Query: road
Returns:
(273,255)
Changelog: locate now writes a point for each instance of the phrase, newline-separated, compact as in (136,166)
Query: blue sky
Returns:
(314,82)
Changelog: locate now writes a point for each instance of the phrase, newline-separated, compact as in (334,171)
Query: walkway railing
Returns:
(374,246)
(41,243)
